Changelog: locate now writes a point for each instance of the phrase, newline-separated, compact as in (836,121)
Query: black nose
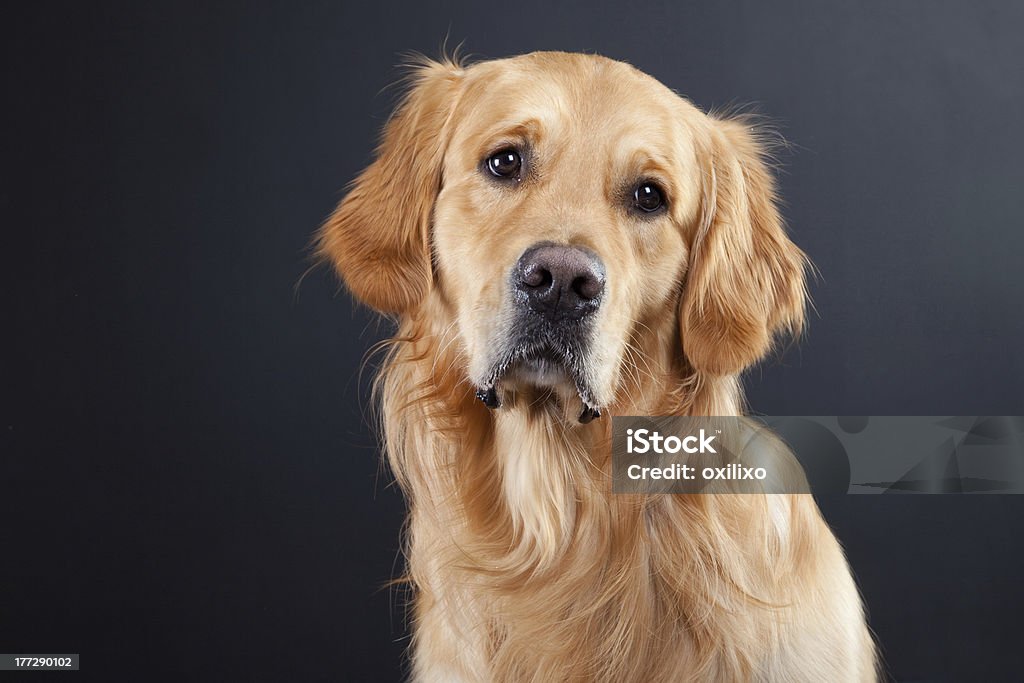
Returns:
(560,281)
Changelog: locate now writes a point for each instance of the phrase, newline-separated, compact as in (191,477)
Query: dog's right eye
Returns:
(505,164)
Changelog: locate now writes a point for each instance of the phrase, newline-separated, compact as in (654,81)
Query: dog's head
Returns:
(551,203)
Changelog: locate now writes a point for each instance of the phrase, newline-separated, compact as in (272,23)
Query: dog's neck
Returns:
(528,470)
(513,507)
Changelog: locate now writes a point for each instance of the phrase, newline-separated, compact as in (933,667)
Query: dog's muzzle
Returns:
(556,289)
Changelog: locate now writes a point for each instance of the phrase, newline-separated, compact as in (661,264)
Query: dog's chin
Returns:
(542,375)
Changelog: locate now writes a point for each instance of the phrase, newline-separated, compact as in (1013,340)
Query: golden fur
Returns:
(523,565)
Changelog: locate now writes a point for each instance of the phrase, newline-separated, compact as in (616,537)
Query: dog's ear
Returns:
(746,280)
(379,236)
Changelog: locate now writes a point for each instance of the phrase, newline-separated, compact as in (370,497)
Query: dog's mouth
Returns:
(545,364)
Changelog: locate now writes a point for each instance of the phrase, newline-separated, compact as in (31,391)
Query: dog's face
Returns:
(550,204)
(561,220)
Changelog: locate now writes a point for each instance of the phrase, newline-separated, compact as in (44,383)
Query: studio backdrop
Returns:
(190,479)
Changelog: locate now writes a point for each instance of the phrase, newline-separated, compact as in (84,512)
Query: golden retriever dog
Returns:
(560,238)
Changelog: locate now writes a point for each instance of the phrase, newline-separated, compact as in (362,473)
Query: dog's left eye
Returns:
(648,197)
(505,164)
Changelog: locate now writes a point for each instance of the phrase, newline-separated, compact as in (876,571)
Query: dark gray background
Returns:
(188,486)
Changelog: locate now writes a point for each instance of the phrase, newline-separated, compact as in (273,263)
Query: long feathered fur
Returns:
(522,565)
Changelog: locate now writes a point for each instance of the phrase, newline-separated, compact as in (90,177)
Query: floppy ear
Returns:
(746,279)
(379,236)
